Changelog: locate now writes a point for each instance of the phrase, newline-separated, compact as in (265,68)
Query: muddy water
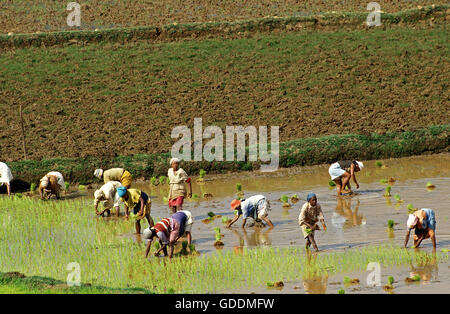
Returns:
(434,278)
(352,221)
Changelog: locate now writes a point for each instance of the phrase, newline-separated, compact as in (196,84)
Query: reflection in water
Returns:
(138,238)
(427,270)
(391,234)
(388,201)
(411,176)
(253,237)
(316,285)
(344,217)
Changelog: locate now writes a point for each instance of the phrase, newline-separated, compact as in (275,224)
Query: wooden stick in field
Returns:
(23,132)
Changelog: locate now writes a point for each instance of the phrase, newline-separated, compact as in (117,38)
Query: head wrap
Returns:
(360,164)
(310,196)
(98,173)
(44,182)
(412,221)
(121,190)
(235,204)
(98,194)
(148,233)
(174,160)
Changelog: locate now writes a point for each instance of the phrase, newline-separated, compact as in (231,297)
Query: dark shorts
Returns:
(137,208)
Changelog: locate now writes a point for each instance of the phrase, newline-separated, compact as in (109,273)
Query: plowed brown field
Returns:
(110,99)
(23,16)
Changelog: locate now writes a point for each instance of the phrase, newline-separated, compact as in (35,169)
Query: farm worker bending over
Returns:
(5,177)
(109,196)
(177,190)
(51,184)
(310,214)
(168,231)
(423,222)
(342,171)
(139,201)
(115,174)
(255,206)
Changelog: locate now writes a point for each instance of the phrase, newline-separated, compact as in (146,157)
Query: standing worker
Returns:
(256,207)
(108,195)
(115,174)
(310,214)
(342,171)
(139,202)
(51,184)
(177,190)
(5,177)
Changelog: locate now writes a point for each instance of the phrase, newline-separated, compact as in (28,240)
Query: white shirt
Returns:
(59,178)
(109,195)
(176,181)
(5,174)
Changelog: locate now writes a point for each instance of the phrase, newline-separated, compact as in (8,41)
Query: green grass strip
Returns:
(15,283)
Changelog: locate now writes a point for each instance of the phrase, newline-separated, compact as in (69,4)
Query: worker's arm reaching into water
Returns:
(164,249)
(423,223)
(142,202)
(352,173)
(255,206)
(236,218)
(408,231)
(342,171)
(149,234)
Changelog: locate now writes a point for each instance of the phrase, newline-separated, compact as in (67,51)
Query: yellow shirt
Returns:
(114,174)
(133,198)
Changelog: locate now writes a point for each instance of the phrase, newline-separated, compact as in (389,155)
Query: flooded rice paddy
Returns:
(352,221)
(355,221)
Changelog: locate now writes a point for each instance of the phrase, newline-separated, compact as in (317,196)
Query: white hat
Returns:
(147,233)
(98,173)
(412,221)
(360,165)
(174,160)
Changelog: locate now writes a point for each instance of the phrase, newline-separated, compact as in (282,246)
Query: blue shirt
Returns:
(430,222)
(249,206)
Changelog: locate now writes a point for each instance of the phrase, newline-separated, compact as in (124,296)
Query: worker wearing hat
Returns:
(342,171)
(256,207)
(177,189)
(423,222)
